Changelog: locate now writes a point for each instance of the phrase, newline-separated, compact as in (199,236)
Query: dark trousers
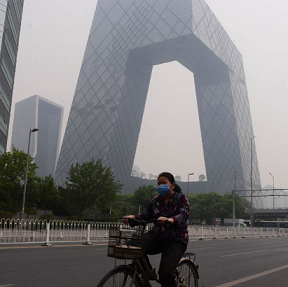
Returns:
(171,253)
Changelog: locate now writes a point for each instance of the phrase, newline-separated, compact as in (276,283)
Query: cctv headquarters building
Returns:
(129,37)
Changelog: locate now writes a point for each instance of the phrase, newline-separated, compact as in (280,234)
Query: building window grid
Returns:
(222,56)
(6,73)
(10,50)
(3,126)
(2,149)
(2,121)
(17,10)
(4,103)
(3,7)
(14,32)
(4,98)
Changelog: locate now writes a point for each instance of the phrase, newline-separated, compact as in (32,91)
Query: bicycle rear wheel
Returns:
(119,277)
(186,274)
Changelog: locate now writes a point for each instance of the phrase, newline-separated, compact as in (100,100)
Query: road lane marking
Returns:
(248,278)
(7,285)
(191,249)
(236,254)
(68,245)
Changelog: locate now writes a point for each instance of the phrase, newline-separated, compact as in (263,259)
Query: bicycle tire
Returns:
(186,269)
(119,277)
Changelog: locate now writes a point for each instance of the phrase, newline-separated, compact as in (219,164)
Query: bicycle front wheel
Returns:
(119,277)
(186,274)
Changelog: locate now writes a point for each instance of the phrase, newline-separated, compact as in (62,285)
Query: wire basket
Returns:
(127,244)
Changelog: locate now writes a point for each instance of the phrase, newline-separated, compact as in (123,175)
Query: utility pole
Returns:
(188,183)
(273,190)
(233,195)
(26,173)
(251,214)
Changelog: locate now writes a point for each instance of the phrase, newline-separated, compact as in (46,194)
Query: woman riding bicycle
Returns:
(169,235)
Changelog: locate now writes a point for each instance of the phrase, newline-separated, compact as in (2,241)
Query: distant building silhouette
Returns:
(127,39)
(37,112)
(10,23)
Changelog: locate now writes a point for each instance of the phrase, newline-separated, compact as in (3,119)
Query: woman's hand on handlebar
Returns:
(125,219)
(163,220)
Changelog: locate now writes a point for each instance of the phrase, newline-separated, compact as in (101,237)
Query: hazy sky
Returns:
(53,38)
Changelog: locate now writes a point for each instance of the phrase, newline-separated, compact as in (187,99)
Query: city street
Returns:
(223,263)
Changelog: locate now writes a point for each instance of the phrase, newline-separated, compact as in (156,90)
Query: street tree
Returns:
(208,206)
(12,176)
(239,206)
(119,207)
(48,194)
(90,185)
(142,196)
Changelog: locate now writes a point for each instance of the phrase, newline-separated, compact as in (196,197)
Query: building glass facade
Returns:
(37,112)
(10,23)
(126,40)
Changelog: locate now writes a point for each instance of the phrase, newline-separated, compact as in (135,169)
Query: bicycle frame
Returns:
(137,268)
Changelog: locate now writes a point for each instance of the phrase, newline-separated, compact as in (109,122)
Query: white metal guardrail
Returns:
(211,232)
(41,231)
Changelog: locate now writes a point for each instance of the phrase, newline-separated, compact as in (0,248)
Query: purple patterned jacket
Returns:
(177,208)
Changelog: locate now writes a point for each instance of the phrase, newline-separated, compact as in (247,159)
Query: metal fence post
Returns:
(88,236)
(227,234)
(215,233)
(202,236)
(47,235)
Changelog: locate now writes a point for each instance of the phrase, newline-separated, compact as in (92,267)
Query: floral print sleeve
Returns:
(183,212)
(177,208)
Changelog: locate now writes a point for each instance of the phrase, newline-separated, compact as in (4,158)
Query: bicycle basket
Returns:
(127,244)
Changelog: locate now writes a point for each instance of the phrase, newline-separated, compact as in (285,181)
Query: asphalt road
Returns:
(223,263)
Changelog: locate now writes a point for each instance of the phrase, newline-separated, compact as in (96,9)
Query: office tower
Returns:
(10,23)
(126,40)
(37,112)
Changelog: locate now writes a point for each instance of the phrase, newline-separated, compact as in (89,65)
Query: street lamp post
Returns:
(273,189)
(26,171)
(233,195)
(251,213)
(188,183)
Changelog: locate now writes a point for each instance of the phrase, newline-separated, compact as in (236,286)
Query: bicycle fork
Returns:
(134,276)
(139,267)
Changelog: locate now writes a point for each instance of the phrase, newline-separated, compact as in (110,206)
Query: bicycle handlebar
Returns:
(140,222)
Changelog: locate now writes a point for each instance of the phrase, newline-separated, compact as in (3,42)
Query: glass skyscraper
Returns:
(126,40)
(10,23)
(37,112)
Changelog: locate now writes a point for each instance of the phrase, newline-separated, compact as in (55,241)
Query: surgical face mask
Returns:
(163,189)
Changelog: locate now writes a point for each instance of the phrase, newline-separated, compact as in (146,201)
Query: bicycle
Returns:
(120,247)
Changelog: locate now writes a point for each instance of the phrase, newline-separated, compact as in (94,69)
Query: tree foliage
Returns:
(48,194)
(90,185)
(12,176)
(142,196)
(207,206)
(119,207)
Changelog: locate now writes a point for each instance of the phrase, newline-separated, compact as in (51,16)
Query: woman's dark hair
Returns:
(170,176)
